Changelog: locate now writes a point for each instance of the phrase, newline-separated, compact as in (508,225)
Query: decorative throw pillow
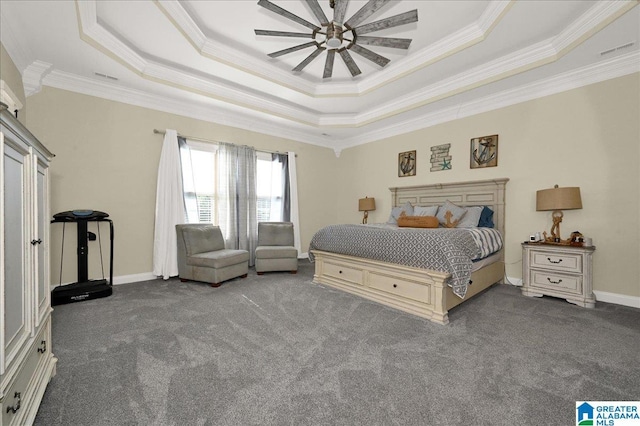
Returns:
(486,218)
(449,214)
(425,211)
(395,213)
(471,218)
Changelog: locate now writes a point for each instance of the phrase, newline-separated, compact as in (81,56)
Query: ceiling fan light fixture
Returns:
(335,39)
(334,36)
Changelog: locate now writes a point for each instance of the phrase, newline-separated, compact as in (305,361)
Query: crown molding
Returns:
(472,34)
(218,52)
(604,70)
(20,53)
(190,109)
(506,66)
(468,36)
(33,76)
(592,21)
(591,74)
(92,32)
(522,60)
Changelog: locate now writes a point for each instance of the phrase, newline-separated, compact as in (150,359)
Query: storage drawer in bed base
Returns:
(421,292)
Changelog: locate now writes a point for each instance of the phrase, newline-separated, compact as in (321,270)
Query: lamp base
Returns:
(364,219)
(555,229)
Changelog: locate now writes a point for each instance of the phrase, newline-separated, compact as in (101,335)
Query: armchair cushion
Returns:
(202,239)
(275,234)
(275,252)
(218,259)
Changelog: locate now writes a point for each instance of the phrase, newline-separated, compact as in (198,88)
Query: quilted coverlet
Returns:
(447,250)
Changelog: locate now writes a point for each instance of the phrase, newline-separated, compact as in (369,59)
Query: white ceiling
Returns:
(202,59)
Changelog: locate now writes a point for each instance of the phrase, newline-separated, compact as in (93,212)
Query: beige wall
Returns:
(12,78)
(107,158)
(588,137)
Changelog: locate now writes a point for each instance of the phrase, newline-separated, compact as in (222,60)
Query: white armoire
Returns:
(26,361)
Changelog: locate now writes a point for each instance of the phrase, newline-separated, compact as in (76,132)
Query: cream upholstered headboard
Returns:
(490,193)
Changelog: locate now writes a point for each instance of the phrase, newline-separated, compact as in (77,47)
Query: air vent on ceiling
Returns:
(110,77)
(617,49)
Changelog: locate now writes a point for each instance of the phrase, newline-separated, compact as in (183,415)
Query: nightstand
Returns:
(559,271)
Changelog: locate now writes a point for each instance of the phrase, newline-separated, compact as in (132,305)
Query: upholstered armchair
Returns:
(202,255)
(275,250)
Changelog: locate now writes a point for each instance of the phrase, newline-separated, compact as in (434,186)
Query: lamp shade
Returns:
(558,199)
(366,204)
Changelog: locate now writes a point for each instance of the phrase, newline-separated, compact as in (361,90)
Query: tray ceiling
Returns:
(203,59)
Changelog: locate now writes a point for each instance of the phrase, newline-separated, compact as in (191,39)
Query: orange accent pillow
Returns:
(417,221)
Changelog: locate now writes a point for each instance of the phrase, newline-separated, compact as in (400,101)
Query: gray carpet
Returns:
(278,349)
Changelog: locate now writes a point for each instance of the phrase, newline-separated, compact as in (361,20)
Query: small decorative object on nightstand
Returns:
(559,271)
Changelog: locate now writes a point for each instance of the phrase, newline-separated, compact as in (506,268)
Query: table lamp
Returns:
(366,205)
(557,199)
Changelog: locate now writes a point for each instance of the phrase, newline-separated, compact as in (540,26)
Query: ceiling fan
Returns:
(339,35)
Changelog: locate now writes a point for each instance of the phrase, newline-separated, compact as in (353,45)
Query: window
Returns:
(200,192)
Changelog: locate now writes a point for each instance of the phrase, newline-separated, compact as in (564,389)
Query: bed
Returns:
(418,290)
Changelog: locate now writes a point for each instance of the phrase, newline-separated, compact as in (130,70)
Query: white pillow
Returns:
(425,211)
(395,213)
(471,218)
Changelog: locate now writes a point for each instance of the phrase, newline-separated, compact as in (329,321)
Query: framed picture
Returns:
(407,164)
(440,157)
(484,152)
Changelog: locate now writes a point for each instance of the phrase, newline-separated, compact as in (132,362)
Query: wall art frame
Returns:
(407,163)
(484,152)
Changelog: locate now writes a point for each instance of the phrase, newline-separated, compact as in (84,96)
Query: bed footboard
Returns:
(420,292)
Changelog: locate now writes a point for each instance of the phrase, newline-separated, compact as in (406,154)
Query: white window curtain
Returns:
(237,196)
(192,212)
(293,202)
(169,208)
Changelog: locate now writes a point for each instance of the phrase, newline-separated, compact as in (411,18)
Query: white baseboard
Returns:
(303,256)
(126,279)
(514,281)
(618,299)
(601,296)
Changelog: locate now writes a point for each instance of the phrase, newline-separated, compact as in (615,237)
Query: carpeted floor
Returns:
(279,350)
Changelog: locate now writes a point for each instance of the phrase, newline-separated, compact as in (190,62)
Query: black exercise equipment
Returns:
(84,288)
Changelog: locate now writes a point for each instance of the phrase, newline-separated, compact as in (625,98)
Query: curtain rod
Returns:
(193,138)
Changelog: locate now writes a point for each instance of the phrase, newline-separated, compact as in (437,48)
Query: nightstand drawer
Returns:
(343,272)
(561,282)
(565,262)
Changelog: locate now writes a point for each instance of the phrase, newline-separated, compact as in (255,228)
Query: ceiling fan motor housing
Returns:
(334,35)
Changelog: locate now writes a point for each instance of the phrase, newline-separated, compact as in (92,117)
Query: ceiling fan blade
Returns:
(367,10)
(339,10)
(398,43)
(393,21)
(348,60)
(372,56)
(317,10)
(309,58)
(282,12)
(283,34)
(293,49)
(328,65)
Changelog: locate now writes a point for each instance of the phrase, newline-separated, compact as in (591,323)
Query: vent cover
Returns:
(110,77)
(617,49)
